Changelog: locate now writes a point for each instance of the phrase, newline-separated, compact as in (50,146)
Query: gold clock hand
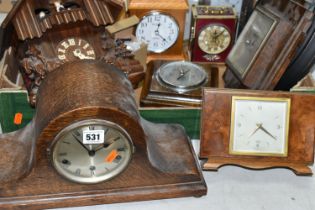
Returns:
(258,127)
(267,132)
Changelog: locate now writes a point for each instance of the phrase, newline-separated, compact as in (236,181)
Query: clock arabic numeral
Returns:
(149,19)
(157,18)
(259,107)
(143,25)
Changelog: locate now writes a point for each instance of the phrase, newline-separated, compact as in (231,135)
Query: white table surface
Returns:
(235,188)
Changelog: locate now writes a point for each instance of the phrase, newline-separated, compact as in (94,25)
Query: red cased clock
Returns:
(212,33)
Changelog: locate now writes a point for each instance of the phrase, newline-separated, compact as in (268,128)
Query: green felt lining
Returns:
(16,102)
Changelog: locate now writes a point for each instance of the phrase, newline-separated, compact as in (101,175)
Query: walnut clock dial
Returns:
(260,126)
(160,31)
(91,151)
(72,49)
(214,39)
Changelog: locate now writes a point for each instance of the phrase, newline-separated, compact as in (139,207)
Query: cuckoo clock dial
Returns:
(72,49)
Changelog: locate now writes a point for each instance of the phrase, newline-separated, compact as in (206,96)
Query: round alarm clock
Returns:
(159,30)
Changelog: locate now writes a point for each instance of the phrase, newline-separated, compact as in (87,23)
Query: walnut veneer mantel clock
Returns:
(267,44)
(162,25)
(88,145)
(258,130)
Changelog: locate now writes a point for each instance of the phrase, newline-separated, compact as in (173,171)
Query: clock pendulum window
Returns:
(88,140)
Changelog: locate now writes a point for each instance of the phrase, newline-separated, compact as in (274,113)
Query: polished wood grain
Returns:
(216,125)
(175,8)
(163,165)
(278,50)
(28,25)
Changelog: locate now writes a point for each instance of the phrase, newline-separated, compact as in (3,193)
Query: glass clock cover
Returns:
(214,39)
(252,38)
(91,151)
(160,31)
(259,126)
(181,76)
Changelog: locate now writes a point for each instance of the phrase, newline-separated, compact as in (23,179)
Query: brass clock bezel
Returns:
(287,123)
(89,180)
(219,51)
(157,12)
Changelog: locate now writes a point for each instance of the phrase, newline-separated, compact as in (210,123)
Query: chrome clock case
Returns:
(176,83)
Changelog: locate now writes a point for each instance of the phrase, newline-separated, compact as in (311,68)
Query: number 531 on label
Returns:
(93,137)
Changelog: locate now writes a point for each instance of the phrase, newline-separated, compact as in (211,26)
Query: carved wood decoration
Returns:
(217,124)
(267,44)
(52,33)
(96,91)
(30,23)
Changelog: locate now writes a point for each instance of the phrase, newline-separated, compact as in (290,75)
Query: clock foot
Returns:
(213,164)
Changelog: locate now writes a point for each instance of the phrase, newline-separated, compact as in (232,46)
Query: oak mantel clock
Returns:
(258,130)
(162,25)
(212,33)
(88,145)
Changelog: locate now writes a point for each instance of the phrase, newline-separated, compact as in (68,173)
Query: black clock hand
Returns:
(257,128)
(157,33)
(267,132)
(183,74)
(81,143)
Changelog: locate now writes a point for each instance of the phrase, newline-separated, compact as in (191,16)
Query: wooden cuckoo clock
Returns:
(47,34)
(88,145)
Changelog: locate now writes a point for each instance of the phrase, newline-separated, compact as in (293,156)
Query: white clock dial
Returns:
(158,30)
(259,126)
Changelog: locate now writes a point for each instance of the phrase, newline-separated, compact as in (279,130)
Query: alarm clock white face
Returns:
(259,126)
(158,30)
